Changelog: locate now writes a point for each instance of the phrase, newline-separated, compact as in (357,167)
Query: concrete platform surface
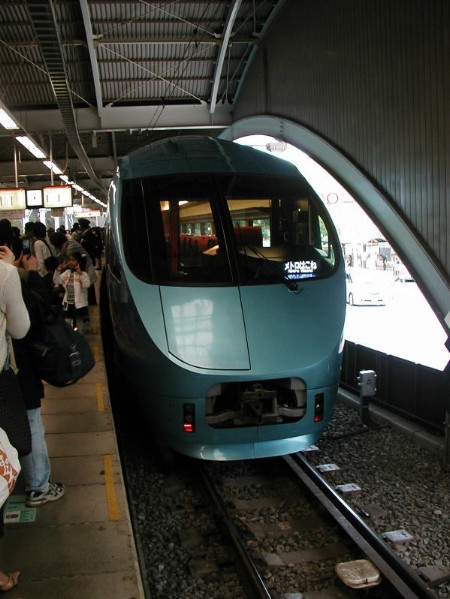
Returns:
(81,546)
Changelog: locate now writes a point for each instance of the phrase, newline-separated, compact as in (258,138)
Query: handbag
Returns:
(9,467)
(13,414)
(61,356)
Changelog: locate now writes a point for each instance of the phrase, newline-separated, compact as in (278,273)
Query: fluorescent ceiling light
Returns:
(31,146)
(53,167)
(7,121)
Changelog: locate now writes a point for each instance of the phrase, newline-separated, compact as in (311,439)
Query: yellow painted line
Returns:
(96,352)
(111,497)
(100,397)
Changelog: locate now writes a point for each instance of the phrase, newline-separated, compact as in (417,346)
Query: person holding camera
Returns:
(73,277)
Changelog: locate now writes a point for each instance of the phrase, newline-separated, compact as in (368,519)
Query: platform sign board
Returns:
(34,198)
(59,196)
(12,199)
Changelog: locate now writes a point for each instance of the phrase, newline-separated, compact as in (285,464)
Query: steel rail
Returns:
(247,562)
(401,576)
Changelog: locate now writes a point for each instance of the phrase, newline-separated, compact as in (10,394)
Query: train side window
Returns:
(135,224)
(322,242)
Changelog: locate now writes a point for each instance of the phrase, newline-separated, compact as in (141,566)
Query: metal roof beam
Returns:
(117,118)
(92,54)
(175,41)
(220,61)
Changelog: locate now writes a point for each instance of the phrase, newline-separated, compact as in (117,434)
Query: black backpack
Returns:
(61,356)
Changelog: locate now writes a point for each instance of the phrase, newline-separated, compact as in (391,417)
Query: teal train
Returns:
(225,283)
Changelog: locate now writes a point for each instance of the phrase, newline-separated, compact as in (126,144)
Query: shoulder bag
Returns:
(13,414)
(61,356)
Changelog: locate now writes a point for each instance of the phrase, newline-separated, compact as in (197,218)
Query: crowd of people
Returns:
(41,267)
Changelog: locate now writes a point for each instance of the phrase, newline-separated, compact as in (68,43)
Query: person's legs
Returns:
(83,320)
(69,315)
(36,465)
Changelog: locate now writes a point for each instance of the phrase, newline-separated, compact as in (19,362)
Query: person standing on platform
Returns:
(67,247)
(75,233)
(9,238)
(42,247)
(75,280)
(36,467)
(98,249)
(14,322)
(88,238)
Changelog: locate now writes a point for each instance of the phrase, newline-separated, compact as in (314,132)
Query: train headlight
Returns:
(189,418)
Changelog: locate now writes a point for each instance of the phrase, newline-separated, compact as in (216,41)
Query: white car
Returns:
(363,289)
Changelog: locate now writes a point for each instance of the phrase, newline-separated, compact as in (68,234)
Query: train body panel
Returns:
(169,157)
(227,323)
(205,327)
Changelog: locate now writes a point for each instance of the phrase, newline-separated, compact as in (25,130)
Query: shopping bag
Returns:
(9,467)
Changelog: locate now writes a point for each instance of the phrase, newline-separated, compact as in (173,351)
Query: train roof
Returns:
(200,154)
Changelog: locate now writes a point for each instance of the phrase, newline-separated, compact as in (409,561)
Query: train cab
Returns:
(227,290)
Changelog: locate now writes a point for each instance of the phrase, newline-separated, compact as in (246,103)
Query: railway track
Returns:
(402,577)
(288,544)
(272,529)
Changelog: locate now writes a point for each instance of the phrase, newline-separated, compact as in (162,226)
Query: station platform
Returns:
(81,546)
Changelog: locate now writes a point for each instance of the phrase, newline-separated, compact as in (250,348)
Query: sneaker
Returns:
(54,492)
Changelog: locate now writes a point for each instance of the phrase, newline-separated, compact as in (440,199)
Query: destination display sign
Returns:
(300,269)
(58,196)
(12,199)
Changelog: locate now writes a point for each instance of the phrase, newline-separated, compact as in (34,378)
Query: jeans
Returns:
(36,465)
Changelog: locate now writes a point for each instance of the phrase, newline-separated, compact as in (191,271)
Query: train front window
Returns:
(283,235)
(194,253)
(171,232)
(213,229)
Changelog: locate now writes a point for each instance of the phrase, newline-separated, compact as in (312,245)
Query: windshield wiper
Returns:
(291,285)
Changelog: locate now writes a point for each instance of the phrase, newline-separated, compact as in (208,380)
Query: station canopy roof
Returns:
(91,80)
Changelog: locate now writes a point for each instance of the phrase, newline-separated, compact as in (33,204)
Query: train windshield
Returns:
(226,229)
(280,230)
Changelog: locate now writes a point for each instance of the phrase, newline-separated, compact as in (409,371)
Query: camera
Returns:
(26,246)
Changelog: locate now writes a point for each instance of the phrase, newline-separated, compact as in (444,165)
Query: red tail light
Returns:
(189,418)
(318,407)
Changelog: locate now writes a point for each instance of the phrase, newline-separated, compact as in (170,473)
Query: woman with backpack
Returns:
(42,248)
